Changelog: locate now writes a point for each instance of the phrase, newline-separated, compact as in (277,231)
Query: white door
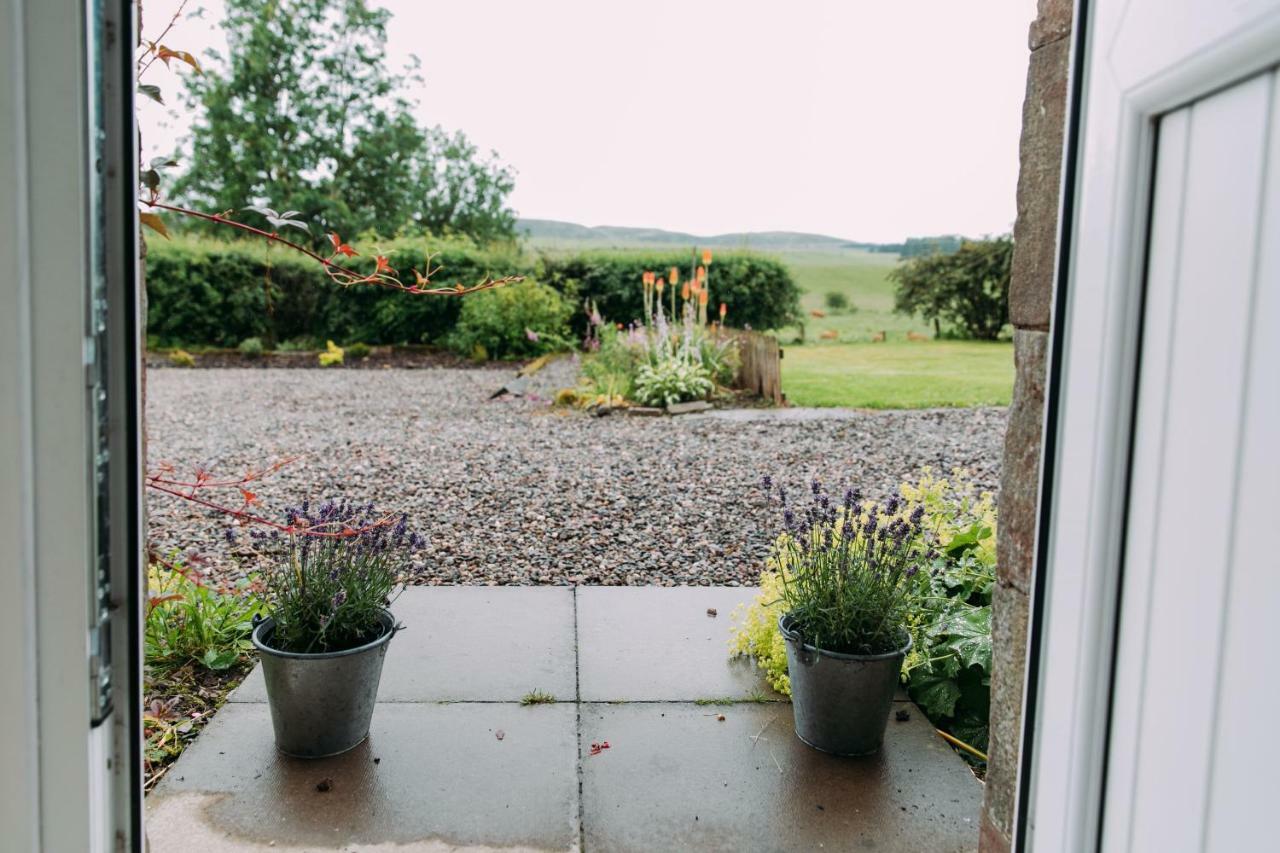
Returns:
(1152,668)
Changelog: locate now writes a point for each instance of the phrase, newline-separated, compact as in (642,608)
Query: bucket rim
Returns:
(792,637)
(389,629)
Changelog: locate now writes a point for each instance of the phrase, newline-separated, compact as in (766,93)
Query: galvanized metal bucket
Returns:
(841,702)
(321,704)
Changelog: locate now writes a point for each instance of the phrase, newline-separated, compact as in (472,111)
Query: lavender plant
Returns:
(331,572)
(848,569)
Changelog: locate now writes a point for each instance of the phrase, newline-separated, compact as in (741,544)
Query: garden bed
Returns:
(404,357)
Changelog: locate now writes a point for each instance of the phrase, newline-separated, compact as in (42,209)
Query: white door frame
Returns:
(1134,61)
(71,774)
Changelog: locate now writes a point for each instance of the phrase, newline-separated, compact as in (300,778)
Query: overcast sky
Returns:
(865,119)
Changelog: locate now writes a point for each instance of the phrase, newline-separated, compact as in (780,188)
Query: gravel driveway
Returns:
(511,491)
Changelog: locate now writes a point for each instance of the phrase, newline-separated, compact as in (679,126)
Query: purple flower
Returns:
(230,534)
(339,598)
(766,483)
(531,334)
(917,515)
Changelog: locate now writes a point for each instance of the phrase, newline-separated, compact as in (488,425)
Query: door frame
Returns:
(71,583)
(1133,62)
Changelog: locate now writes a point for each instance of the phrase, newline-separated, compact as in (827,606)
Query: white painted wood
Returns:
(1142,59)
(1192,389)
(1162,291)
(55,778)
(1243,789)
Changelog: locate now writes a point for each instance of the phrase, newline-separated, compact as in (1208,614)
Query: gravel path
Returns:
(514,492)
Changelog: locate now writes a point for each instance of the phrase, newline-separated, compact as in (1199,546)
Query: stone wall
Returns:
(1030,300)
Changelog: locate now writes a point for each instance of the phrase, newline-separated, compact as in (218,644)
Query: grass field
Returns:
(899,375)
(851,370)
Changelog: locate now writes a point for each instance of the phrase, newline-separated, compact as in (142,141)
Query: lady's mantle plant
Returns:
(847,569)
(331,573)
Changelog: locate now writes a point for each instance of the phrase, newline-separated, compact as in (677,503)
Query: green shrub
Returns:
(516,321)
(214,292)
(358,350)
(964,294)
(188,621)
(757,289)
(251,347)
(333,354)
(836,301)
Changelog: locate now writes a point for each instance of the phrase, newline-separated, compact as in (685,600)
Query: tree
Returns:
(967,290)
(305,115)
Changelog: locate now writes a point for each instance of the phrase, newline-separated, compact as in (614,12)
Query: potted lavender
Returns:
(848,580)
(331,574)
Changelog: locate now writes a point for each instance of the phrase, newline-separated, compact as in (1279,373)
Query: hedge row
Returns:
(203,292)
(758,290)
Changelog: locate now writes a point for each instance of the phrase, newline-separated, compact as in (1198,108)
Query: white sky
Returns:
(865,119)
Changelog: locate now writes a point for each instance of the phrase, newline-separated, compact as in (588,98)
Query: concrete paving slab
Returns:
(676,778)
(659,644)
(472,644)
(430,777)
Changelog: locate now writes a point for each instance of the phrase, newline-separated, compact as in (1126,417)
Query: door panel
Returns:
(1201,342)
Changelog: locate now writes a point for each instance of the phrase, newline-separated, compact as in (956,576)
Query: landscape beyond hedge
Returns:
(205,292)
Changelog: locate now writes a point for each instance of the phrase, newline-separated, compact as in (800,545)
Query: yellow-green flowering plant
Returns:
(948,669)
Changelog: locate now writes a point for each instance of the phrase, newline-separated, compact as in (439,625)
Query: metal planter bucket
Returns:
(841,702)
(321,704)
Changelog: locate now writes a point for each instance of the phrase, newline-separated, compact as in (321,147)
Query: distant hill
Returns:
(552,232)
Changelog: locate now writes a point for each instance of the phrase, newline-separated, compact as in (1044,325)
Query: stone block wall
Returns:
(1030,301)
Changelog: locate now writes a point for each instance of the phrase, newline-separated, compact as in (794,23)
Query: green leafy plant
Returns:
(836,301)
(182,358)
(671,381)
(522,320)
(189,621)
(330,574)
(358,350)
(537,697)
(251,347)
(333,354)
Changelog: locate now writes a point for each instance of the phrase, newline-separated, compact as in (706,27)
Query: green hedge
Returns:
(757,289)
(212,293)
(204,292)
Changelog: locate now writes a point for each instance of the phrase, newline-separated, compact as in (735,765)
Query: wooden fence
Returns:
(760,371)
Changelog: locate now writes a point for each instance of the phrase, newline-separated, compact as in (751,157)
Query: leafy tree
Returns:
(304,114)
(968,290)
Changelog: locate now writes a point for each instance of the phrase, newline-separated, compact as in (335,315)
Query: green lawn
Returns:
(899,374)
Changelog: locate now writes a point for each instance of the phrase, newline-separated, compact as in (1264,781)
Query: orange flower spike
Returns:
(661,285)
(674,276)
(706,257)
(684,294)
(702,274)
(724,309)
(702,297)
